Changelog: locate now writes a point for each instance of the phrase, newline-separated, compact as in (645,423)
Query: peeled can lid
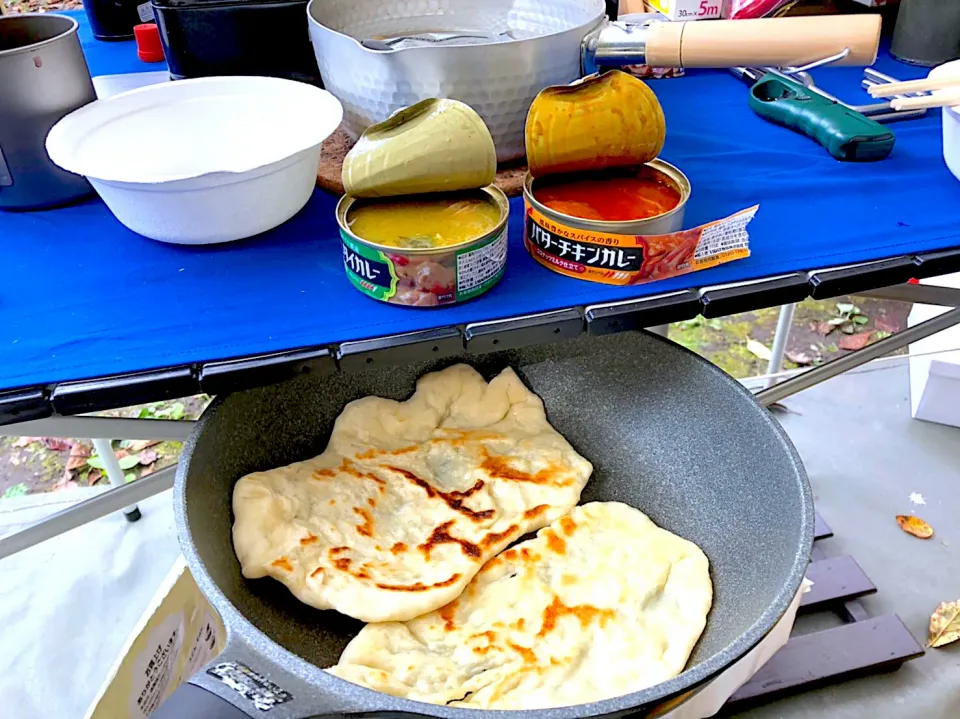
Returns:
(149,47)
(432,146)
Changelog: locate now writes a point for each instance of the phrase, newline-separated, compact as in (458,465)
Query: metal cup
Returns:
(43,76)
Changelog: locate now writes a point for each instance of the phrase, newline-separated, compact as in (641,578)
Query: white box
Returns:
(177,634)
(935,365)
(691,9)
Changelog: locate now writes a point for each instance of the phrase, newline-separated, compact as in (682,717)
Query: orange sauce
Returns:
(610,196)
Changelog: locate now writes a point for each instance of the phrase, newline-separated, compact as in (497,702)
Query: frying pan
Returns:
(378,56)
(666,431)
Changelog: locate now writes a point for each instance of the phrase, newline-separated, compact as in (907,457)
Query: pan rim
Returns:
(360,698)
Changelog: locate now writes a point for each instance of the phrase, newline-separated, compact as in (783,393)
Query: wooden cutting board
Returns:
(509,178)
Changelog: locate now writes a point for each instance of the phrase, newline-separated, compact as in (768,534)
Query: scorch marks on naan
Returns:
(600,604)
(410,498)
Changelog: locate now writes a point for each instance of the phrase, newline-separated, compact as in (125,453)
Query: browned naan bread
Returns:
(410,498)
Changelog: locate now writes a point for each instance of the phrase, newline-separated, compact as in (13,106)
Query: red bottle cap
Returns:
(149,48)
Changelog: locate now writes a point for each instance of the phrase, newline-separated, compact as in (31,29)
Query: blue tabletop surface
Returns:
(84,297)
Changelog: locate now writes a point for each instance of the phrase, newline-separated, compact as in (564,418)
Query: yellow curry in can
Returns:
(421,224)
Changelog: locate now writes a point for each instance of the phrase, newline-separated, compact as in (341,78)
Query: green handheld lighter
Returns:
(844,133)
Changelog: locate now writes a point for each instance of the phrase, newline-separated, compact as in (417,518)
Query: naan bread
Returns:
(600,604)
(410,498)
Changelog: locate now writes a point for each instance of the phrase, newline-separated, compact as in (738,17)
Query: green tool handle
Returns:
(846,134)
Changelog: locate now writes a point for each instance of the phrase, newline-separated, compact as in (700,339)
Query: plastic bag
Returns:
(746,9)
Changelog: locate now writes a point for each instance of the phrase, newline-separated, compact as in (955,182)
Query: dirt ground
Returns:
(20,6)
(738,344)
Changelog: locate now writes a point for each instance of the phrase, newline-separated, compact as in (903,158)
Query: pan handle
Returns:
(189,701)
(776,42)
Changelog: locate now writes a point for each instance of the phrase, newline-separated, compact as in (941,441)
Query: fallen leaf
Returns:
(148,457)
(95,476)
(65,485)
(138,445)
(780,407)
(915,526)
(944,624)
(121,453)
(861,320)
(76,462)
(855,342)
(148,470)
(847,309)
(917,498)
(24,441)
(848,329)
(759,349)
(886,325)
(57,444)
(825,328)
(128,462)
(837,321)
(799,358)
(80,450)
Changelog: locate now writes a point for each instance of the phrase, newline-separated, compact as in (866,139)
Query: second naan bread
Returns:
(410,498)
(601,604)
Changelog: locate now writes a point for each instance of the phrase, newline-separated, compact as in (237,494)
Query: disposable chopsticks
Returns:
(930,84)
(942,99)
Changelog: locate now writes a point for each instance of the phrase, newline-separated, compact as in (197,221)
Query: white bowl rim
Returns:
(59,142)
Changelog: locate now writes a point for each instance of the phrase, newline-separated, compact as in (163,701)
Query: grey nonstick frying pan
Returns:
(667,432)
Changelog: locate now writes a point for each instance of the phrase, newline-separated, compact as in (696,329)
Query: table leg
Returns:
(780,339)
(115,474)
(855,359)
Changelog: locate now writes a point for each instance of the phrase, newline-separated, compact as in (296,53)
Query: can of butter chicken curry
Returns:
(564,230)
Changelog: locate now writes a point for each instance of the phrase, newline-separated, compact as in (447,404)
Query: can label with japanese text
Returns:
(425,277)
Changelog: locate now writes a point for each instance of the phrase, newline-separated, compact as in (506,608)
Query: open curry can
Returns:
(424,276)
(620,252)
(421,224)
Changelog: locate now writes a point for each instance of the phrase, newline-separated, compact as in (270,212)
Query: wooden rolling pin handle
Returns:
(778,42)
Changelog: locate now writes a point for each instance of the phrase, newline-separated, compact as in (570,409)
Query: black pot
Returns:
(927,32)
(667,432)
(114,19)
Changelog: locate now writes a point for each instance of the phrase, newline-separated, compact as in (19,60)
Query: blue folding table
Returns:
(93,316)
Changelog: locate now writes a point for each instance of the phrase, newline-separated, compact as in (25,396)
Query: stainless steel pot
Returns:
(378,56)
(667,433)
(43,76)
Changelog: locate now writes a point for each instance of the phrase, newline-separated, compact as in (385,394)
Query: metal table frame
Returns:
(51,411)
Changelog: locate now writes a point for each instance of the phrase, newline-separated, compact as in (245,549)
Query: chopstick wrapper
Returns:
(714,695)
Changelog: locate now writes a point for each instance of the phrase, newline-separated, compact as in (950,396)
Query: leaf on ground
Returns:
(861,320)
(799,358)
(886,325)
(848,329)
(76,462)
(825,328)
(148,457)
(855,342)
(915,526)
(94,476)
(847,309)
(80,450)
(17,490)
(837,321)
(57,444)
(97,463)
(759,349)
(24,441)
(129,477)
(780,407)
(129,462)
(944,624)
(71,484)
(138,445)
(121,453)
(148,470)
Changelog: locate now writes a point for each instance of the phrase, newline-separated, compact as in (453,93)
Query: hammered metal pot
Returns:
(499,80)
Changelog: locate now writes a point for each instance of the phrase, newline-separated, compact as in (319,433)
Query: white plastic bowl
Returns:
(951,119)
(201,161)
